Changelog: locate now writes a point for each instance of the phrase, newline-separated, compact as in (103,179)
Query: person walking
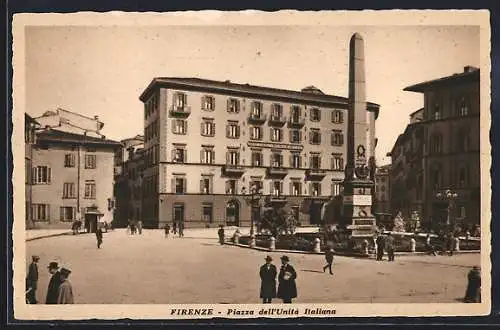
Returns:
(181,229)
(220,232)
(268,274)
(380,247)
(65,293)
(139,227)
(329,260)
(32,280)
(287,288)
(54,283)
(98,235)
(167,230)
(430,248)
(174,228)
(473,291)
(389,245)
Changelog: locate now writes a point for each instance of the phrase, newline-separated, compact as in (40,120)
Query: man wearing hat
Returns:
(268,274)
(54,283)
(287,289)
(65,289)
(329,260)
(32,280)
(473,292)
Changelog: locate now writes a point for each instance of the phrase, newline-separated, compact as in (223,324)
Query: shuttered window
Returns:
(42,175)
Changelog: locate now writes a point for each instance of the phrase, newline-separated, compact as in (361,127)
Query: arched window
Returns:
(233,213)
(436,143)
(462,107)
(463,176)
(462,140)
(436,176)
(437,112)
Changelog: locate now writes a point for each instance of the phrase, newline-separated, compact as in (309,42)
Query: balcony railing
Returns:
(180,111)
(277,120)
(233,170)
(257,118)
(277,198)
(315,173)
(277,171)
(296,122)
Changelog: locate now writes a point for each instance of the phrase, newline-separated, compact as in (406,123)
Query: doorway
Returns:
(233,213)
(315,213)
(91,223)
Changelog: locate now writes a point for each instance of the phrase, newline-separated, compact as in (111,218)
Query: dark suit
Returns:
(329,261)
(287,289)
(389,244)
(98,235)
(53,289)
(380,247)
(268,282)
(32,283)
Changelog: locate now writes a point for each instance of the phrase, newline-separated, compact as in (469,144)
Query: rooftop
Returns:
(60,136)
(469,74)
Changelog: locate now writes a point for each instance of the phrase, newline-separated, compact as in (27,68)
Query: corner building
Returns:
(207,143)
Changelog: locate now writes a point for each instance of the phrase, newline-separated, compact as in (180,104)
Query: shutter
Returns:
(333,116)
(185,126)
(271,134)
(332,139)
(310,189)
(185,97)
(291,161)
(49,174)
(201,186)
(173,155)
(184,151)
(290,191)
(290,135)
(319,137)
(281,160)
(228,159)
(310,136)
(341,139)
(173,126)
(281,188)
(211,185)
(228,104)
(261,158)
(213,128)
(184,185)
(212,160)
(61,213)
(332,163)
(341,116)
(202,159)
(201,128)
(227,131)
(73,213)
(172,185)
(47,213)
(226,186)
(300,136)
(341,163)
(271,191)
(271,160)
(238,132)
(33,175)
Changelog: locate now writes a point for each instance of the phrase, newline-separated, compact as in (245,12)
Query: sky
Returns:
(103,70)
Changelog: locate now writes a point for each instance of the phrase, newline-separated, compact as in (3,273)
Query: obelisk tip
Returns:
(356,35)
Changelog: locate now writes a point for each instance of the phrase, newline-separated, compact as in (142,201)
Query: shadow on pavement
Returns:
(311,271)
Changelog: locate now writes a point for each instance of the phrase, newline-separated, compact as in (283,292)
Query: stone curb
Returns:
(48,235)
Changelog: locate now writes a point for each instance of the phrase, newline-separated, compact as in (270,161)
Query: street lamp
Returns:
(255,195)
(450,196)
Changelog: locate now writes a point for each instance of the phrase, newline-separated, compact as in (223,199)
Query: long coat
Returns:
(268,281)
(389,243)
(329,256)
(287,289)
(65,293)
(473,292)
(32,278)
(53,289)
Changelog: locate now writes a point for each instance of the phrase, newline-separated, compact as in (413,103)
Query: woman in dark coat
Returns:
(268,274)
(287,289)
(473,292)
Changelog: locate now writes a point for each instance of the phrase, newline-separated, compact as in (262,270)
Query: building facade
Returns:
(382,196)
(440,151)
(208,145)
(72,179)
(30,126)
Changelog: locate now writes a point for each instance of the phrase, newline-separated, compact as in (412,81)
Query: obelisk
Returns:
(357,186)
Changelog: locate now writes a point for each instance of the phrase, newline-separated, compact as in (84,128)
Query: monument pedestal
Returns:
(358,208)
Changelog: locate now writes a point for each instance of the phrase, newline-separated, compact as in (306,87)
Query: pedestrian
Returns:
(167,230)
(174,229)
(181,229)
(65,294)
(132,228)
(389,245)
(329,260)
(287,288)
(268,274)
(220,232)
(32,280)
(98,235)
(139,227)
(429,246)
(54,283)
(449,243)
(473,292)
(380,247)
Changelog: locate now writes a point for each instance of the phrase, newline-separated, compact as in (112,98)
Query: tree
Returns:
(278,221)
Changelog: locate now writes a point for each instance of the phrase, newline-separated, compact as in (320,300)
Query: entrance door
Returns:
(315,213)
(233,213)
(91,223)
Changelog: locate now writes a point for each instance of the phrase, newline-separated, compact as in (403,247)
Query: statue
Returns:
(399,223)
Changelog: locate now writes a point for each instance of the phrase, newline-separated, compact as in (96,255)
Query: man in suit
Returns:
(220,232)
(32,280)
(268,274)
(65,293)
(98,235)
(287,288)
(380,247)
(389,244)
(54,283)
(329,260)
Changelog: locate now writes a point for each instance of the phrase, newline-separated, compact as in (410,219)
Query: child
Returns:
(167,230)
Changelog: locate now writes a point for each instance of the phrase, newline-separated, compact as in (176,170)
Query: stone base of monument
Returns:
(357,208)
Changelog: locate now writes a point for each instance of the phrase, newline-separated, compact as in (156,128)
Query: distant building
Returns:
(440,151)
(71,122)
(207,143)
(30,126)
(382,200)
(72,176)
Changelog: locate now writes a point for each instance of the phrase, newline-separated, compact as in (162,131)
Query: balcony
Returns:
(257,119)
(315,174)
(277,171)
(277,120)
(180,111)
(233,170)
(277,199)
(296,122)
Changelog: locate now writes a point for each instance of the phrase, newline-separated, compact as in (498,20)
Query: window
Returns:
(90,161)
(276,159)
(233,131)
(337,116)
(90,189)
(315,189)
(255,133)
(179,185)
(207,155)
(463,177)
(276,134)
(435,145)
(296,161)
(67,213)
(437,112)
(337,163)
(277,188)
(335,188)
(69,160)
(42,175)
(256,109)
(276,111)
(178,211)
(179,126)
(233,157)
(208,103)
(315,162)
(231,187)
(295,188)
(233,105)
(314,136)
(436,177)
(257,185)
(179,155)
(295,136)
(462,211)
(207,211)
(462,107)
(208,127)
(315,114)
(257,158)
(206,184)
(337,138)
(69,190)
(91,149)
(295,114)
(40,212)
(462,141)
(180,100)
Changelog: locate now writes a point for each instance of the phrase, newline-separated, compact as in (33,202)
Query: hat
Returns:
(35,258)
(53,265)
(268,258)
(285,258)
(65,271)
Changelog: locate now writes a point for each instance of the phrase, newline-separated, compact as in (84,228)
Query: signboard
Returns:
(358,200)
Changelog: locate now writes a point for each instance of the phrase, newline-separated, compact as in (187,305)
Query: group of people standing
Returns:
(134,227)
(59,290)
(177,228)
(385,244)
(287,288)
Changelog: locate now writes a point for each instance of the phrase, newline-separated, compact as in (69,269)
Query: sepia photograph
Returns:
(251,164)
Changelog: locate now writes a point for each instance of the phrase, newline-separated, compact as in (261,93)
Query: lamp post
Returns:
(450,196)
(253,200)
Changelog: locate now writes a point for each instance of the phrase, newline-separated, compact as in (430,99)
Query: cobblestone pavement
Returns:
(150,269)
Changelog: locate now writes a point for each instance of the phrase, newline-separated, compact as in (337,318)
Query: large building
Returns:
(439,150)
(72,175)
(208,144)
(382,200)
(30,126)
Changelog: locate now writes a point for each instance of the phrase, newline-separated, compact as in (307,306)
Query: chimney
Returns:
(469,68)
